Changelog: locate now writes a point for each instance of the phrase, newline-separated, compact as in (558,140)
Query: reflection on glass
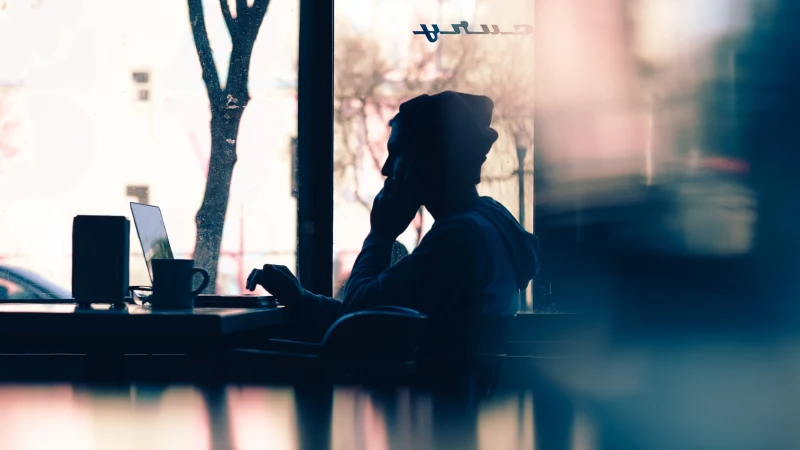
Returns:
(39,418)
(30,307)
(358,422)
(506,423)
(168,417)
(583,434)
(262,418)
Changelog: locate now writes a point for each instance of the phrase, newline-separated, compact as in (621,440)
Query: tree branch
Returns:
(241,10)
(243,42)
(205,54)
(258,11)
(362,115)
(357,188)
(238,71)
(229,20)
(352,161)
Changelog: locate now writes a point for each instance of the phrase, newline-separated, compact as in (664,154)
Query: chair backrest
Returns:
(395,333)
(384,332)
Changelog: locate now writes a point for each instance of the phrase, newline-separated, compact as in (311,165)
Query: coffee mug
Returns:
(172,283)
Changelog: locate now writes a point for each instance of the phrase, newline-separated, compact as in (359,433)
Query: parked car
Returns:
(22,284)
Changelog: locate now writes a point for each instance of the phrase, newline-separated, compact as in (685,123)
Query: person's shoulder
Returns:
(462,227)
(472,219)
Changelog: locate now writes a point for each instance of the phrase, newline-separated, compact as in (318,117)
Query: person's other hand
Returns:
(278,281)
(395,206)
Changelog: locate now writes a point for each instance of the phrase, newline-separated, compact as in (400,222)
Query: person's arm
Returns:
(303,308)
(318,312)
(438,270)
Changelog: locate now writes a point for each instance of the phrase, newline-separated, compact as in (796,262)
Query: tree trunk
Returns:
(210,218)
(227,107)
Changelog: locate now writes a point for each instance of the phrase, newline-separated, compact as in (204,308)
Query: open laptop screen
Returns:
(152,234)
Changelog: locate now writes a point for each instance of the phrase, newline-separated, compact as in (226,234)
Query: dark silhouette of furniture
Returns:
(389,345)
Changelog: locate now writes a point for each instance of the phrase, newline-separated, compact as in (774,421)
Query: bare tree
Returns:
(359,74)
(443,66)
(227,104)
(507,78)
(367,87)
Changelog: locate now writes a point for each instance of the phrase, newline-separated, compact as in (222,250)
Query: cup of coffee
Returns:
(172,283)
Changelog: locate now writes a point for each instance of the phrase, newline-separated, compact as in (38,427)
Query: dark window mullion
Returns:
(315,147)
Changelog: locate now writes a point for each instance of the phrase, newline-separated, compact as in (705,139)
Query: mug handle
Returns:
(204,284)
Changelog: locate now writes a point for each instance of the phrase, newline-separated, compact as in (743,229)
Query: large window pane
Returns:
(102,103)
(380,63)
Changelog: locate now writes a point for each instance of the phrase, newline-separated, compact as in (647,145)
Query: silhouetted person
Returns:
(476,252)
(399,251)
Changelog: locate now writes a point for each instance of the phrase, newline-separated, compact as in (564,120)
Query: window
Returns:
(142,85)
(610,67)
(379,64)
(140,194)
(141,77)
(92,149)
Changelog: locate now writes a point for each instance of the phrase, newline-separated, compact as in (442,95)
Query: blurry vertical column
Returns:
(315,147)
(586,139)
(767,81)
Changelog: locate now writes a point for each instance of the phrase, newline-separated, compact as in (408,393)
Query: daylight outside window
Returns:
(103,103)
(379,63)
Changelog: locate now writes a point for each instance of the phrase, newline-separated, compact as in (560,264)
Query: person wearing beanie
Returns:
(476,255)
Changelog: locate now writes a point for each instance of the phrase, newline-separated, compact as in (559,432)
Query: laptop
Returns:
(152,234)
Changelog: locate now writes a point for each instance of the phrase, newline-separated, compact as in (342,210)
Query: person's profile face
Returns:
(398,151)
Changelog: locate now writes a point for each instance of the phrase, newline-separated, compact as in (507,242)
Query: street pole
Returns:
(522,150)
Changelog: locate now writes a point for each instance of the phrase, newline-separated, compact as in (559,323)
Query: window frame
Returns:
(315,147)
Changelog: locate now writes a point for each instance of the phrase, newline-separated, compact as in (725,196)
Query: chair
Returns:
(389,344)
(365,344)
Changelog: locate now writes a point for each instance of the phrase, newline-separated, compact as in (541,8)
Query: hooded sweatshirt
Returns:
(474,261)
(480,258)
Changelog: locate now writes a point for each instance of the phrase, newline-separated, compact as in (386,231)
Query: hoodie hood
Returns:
(521,244)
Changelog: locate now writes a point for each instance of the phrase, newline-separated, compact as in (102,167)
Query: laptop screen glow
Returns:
(152,234)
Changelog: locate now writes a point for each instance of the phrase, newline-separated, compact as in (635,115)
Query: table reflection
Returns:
(248,417)
(37,308)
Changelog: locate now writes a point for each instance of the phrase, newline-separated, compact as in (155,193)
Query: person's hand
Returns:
(395,206)
(278,281)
